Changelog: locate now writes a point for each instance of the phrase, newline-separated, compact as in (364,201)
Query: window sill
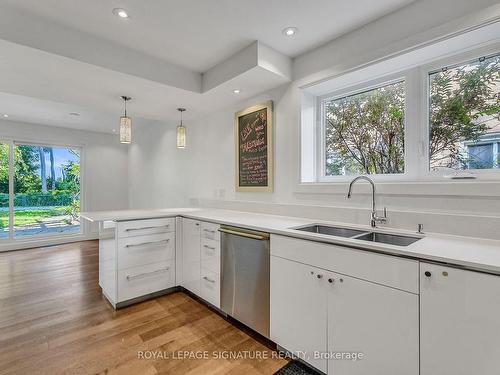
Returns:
(456,188)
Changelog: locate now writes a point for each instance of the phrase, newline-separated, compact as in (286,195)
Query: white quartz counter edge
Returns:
(474,253)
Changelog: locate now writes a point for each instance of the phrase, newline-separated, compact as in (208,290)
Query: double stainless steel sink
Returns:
(386,238)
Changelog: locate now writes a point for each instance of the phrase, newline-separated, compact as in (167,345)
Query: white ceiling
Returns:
(198,34)
(48,69)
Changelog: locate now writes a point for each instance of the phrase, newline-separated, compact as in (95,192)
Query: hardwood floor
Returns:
(54,320)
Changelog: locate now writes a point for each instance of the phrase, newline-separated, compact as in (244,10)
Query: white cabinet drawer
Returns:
(210,231)
(210,255)
(378,268)
(144,227)
(210,287)
(141,250)
(138,281)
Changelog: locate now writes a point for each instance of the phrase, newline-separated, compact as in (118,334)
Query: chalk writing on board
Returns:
(253,149)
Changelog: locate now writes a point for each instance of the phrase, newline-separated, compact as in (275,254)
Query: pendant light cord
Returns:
(181,110)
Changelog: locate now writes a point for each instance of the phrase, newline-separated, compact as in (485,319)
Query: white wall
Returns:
(157,168)
(105,162)
(204,172)
(419,23)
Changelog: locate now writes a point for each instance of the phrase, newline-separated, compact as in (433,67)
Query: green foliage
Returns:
(31,205)
(26,165)
(4,170)
(71,179)
(73,210)
(27,180)
(365,132)
(463,100)
(38,199)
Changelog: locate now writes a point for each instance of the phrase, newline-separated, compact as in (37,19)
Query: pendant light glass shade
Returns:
(125,124)
(125,129)
(181,132)
(181,137)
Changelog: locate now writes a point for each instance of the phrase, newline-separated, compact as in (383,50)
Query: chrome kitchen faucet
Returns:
(374,216)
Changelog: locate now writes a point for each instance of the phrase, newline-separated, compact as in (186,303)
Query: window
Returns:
(464,115)
(364,133)
(479,156)
(45,195)
(409,118)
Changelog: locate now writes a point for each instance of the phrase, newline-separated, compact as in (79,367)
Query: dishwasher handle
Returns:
(253,235)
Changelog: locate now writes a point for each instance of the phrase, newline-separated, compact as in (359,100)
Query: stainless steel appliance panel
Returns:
(245,277)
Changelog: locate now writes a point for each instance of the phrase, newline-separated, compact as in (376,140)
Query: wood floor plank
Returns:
(54,320)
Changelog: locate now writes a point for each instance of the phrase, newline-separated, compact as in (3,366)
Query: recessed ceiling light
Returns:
(290,31)
(122,13)
(236,91)
(5,115)
(76,114)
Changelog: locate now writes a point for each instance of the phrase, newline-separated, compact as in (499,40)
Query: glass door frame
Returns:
(11,144)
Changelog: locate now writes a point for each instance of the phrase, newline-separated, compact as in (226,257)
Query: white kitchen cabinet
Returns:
(299,309)
(144,227)
(377,321)
(325,312)
(210,263)
(210,287)
(210,231)
(460,321)
(136,258)
(141,280)
(210,255)
(145,249)
(191,255)
(201,259)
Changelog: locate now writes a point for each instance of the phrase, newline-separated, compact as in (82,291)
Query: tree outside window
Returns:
(364,133)
(464,115)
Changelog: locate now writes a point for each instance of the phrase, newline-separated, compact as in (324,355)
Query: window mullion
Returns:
(11,190)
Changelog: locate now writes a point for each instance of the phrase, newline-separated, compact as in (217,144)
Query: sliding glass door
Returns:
(40,190)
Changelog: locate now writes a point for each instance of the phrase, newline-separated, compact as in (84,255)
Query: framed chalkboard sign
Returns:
(254,148)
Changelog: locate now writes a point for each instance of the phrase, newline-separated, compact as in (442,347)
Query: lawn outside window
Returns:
(40,190)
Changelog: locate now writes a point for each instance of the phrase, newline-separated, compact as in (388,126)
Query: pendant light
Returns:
(181,132)
(125,124)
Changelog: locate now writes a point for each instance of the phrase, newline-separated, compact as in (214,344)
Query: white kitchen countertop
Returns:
(474,253)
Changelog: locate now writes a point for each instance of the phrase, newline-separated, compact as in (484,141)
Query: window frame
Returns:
(417,121)
(11,239)
(358,88)
(434,67)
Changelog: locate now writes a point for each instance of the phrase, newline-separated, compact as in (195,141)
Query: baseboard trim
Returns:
(12,245)
(146,297)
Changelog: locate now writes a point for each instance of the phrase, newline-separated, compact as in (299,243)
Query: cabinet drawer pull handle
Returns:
(144,228)
(208,230)
(209,280)
(209,247)
(319,276)
(157,243)
(427,273)
(330,280)
(141,275)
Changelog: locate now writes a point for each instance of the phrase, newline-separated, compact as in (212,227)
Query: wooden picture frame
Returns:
(254,148)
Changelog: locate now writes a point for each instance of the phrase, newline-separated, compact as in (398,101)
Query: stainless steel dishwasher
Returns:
(245,263)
